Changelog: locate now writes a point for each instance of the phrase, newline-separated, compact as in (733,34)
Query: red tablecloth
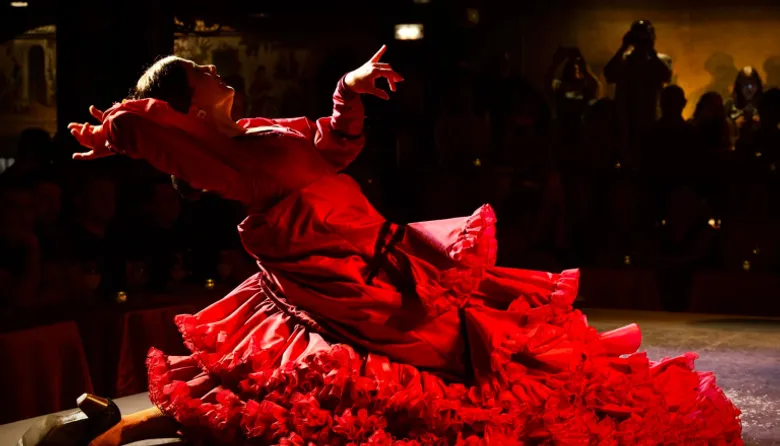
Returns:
(42,370)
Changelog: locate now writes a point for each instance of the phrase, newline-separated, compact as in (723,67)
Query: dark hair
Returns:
(673,99)
(568,68)
(642,32)
(166,80)
(35,143)
(743,78)
(769,108)
(706,100)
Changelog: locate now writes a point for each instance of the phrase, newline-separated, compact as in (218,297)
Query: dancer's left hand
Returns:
(90,136)
(362,80)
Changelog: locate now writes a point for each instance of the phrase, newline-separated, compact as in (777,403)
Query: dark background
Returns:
(708,245)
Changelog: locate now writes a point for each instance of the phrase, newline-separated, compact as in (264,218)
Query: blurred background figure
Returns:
(669,152)
(743,107)
(35,153)
(639,73)
(572,93)
(711,127)
(20,261)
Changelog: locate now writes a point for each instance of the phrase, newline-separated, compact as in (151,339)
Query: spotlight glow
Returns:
(18,4)
(409,32)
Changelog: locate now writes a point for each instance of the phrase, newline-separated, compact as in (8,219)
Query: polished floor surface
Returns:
(743,352)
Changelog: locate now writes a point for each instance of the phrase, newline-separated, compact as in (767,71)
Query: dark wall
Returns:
(102,48)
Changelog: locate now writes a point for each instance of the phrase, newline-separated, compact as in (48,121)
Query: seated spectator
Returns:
(56,268)
(711,127)
(48,208)
(603,142)
(155,242)
(712,145)
(92,244)
(762,149)
(669,153)
(21,258)
(669,148)
(35,154)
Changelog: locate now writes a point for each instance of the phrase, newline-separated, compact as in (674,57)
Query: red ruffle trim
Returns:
(552,380)
(595,389)
(474,251)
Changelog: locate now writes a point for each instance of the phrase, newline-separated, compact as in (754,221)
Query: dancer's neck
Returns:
(227,126)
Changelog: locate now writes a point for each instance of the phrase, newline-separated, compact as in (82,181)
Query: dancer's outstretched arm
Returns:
(170,150)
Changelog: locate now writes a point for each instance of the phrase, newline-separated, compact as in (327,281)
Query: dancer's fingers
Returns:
(378,92)
(387,73)
(97,114)
(378,55)
(84,155)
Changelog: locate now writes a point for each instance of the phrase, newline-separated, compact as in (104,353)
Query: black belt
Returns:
(401,276)
(382,249)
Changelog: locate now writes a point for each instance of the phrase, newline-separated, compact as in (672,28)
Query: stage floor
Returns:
(743,352)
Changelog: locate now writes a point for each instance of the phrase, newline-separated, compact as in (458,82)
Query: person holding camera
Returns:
(572,92)
(639,73)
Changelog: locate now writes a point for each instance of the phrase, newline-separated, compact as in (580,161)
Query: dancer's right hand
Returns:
(91,136)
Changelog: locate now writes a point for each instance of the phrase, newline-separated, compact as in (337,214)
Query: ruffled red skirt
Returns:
(261,372)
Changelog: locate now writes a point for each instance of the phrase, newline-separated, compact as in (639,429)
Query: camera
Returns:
(640,35)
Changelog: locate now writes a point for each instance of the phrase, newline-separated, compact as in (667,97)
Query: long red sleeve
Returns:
(338,137)
(195,159)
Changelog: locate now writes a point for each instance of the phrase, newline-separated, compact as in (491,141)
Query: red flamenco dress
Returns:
(356,331)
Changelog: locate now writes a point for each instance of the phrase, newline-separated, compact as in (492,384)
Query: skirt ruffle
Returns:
(258,376)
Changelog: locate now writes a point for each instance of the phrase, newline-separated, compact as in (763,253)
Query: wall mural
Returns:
(28,73)
(267,77)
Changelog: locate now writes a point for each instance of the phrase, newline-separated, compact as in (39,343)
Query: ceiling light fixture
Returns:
(409,32)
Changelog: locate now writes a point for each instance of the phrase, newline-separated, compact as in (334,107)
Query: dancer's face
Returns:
(208,89)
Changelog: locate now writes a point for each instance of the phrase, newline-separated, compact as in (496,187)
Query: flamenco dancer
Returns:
(357,331)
